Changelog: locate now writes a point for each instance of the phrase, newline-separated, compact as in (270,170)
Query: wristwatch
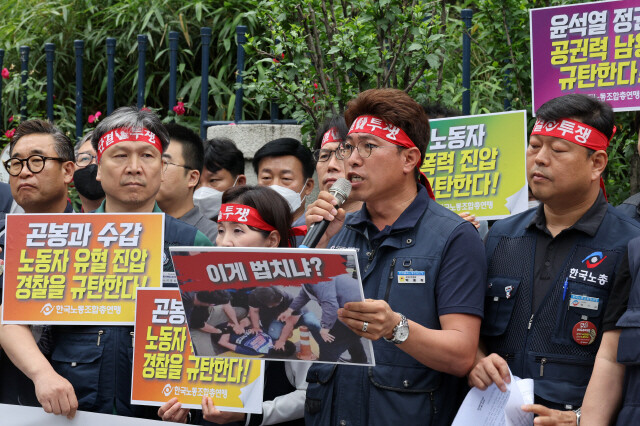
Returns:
(400,331)
(578,415)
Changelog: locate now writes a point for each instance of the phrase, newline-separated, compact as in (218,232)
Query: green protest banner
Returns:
(476,163)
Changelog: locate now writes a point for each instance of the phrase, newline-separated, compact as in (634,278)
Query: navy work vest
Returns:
(629,343)
(398,388)
(540,345)
(97,360)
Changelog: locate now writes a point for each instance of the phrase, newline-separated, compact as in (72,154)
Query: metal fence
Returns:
(205,34)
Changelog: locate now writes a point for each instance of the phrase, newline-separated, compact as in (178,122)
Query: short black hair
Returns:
(583,108)
(283,147)
(333,121)
(288,350)
(268,295)
(62,144)
(438,110)
(192,148)
(222,153)
(134,119)
(271,206)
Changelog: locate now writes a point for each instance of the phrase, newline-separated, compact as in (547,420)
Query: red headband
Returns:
(573,131)
(390,133)
(243,214)
(118,135)
(330,135)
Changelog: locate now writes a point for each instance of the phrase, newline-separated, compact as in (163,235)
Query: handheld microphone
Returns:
(340,190)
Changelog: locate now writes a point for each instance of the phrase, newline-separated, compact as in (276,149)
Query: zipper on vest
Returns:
(100,333)
(543,360)
(434,409)
(530,321)
(507,356)
(390,281)
(131,333)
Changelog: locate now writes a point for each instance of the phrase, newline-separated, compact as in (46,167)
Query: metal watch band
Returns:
(394,339)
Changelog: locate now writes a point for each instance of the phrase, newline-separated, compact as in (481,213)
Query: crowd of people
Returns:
(549,294)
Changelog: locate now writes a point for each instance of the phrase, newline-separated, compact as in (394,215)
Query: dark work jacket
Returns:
(540,345)
(399,389)
(97,360)
(629,343)
(631,206)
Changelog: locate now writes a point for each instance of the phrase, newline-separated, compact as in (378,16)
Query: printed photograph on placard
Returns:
(275,304)
(165,367)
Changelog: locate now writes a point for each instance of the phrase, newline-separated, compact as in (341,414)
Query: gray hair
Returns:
(62,144)
(133,119)
(82,141)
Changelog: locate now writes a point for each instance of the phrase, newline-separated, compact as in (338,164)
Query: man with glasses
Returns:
(97,376)
(184,162)
(328,167)
(423,275)
(89,189)
(40,168)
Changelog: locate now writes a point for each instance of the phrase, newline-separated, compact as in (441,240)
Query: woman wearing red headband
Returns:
(256,216)
(253,216)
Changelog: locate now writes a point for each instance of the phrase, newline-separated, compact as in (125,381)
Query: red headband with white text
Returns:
(115,136)
(243,214)
(576,132)
(390,133)
(330,135)
(573,131)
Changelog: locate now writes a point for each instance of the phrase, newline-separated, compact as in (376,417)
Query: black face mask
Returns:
(86,183)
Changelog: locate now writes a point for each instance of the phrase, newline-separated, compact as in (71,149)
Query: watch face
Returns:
(402,333)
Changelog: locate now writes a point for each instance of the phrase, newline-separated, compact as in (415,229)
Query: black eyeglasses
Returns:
(177,165)
(35,164)
(84,159)
(364,150)
(321,155)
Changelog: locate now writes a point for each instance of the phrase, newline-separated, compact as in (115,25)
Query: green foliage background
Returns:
(311,56)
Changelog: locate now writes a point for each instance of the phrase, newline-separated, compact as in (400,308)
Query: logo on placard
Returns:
(594,259)
(47,309)
(166,390)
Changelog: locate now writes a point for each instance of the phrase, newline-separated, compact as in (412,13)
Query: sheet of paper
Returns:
(514,416)
(493,407)
(19,415)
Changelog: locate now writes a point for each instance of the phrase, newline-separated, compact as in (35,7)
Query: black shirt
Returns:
(552,253)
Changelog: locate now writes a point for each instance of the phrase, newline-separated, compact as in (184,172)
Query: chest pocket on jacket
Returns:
(500,299)
(582,303)
(408,287)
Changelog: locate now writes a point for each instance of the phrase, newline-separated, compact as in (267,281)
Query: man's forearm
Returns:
(17,341)
(604,393)
(450,350)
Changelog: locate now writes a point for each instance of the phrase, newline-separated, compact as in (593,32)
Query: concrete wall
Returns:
(251,137)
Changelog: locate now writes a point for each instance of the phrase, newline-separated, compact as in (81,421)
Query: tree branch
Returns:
(417,78)
(304,106)
(513,58)
(320,69)
(400,46)
(443,29)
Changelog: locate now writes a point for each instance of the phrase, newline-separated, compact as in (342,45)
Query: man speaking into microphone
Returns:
(423,274)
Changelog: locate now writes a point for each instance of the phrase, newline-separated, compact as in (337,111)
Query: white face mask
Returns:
(208,200)
(533,203)
(292,197)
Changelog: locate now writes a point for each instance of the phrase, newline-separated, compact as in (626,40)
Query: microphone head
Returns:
(341,189)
